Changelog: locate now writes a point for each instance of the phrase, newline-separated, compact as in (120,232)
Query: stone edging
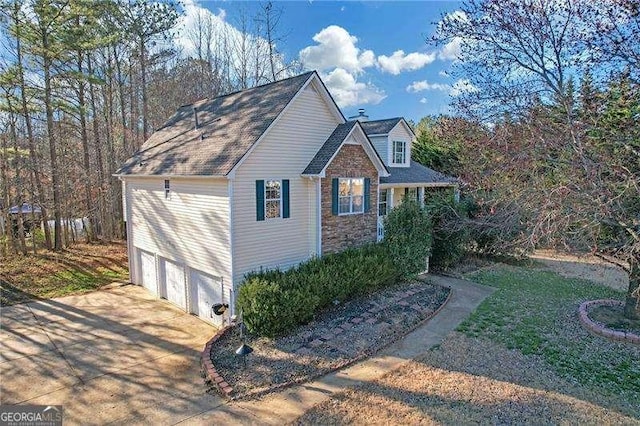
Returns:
(599,328)
(210,373)
(216,379)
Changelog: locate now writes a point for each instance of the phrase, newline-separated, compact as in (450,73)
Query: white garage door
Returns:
(206,291)
(174,288)
(148,268)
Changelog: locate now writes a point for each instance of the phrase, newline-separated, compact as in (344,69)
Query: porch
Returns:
(393,195)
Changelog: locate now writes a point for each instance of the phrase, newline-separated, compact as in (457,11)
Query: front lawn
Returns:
(521,358)
(78,269)
(535,312)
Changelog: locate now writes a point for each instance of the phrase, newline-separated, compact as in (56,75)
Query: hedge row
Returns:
(275,302)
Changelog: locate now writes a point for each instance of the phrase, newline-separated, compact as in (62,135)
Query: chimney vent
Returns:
(195,117)
(361,117)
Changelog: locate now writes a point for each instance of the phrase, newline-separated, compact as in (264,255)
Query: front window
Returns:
(399,152)
(382,203)
(272,199)
(413,194)
(351,195)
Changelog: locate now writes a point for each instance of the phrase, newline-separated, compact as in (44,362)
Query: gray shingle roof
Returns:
(380,127)
(326,152)
(416,173)
(229,125)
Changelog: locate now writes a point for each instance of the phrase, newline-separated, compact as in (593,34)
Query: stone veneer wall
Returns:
(342,232)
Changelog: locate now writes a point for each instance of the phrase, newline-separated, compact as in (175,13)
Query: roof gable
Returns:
(330,148)
(229,126)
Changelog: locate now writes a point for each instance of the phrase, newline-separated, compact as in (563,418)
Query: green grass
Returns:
(535,312)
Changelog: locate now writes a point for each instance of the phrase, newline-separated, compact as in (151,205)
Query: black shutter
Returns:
(334,195)
(260,200)
(285,198)
(367,194)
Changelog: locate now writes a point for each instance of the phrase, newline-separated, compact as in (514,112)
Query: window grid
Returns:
(272,199)
(350,195)
(167,189)
(399,152)
(382,203)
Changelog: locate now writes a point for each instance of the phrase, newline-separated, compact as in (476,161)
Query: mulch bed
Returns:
(338,337)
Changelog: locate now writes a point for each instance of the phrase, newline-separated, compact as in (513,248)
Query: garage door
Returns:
(174,286)
(206,290)
(148,269)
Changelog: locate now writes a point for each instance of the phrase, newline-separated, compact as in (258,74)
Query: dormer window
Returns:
(399,152)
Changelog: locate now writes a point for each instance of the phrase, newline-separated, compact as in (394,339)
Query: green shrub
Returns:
(451,235)
(275,302)
(407,237)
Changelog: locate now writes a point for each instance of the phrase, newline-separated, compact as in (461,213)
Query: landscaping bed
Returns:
(339,336)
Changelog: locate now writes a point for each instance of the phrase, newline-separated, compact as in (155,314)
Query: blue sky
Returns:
(371,55)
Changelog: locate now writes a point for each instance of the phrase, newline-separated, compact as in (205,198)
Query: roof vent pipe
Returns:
(362,117)
(195,117)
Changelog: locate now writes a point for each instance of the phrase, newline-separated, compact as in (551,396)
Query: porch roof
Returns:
(416,173)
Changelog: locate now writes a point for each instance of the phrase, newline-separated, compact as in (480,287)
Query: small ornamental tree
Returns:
(407,237)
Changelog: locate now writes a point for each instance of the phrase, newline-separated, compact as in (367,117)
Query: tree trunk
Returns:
(632,302)
(88,201)
(8,231)
(30,136)
(143,83)
(55,178)
(98,230)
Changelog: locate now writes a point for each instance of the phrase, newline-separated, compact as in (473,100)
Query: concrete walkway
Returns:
(289,404)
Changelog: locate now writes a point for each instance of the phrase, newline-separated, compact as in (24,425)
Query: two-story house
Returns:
(262,178)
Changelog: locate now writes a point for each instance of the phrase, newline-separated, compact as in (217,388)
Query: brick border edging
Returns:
(349,362)
(210,373)
(601,329)
(227,391)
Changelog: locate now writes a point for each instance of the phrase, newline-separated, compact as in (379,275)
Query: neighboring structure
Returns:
(263,178)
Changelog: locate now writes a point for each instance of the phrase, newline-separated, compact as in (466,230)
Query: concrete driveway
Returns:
(115,355)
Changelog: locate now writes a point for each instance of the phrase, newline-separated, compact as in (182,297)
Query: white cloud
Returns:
(336,48)
(462,86)
(443,73)
(419,86)
(399,62)
(452,50)
(423,100)
(347,91)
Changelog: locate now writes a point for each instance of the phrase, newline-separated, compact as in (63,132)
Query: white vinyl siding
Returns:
(284,153)
(191,228)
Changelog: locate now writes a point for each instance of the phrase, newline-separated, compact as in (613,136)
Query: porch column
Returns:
(390,198)
(456,194)
(421,196)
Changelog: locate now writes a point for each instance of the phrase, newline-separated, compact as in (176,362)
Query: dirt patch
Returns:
(338,337)
(471,381)
(613,317)
(586,266)
(78,269)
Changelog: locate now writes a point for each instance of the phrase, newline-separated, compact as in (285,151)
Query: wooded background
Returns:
(84,82)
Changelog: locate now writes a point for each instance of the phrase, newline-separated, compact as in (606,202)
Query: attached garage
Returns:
(148,271)
(173,284)
(206,291)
